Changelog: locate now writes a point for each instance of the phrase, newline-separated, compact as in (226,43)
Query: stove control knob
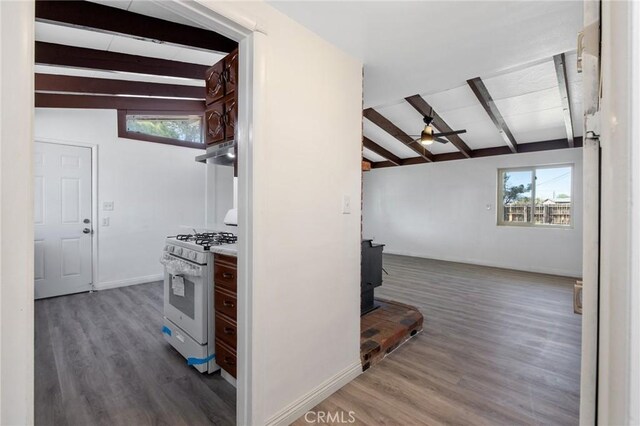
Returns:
(194,255)
(171,249)
(178,250)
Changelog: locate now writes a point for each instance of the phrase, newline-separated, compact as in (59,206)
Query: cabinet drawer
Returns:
(226,330)
(226,277)
(226,358)
(225,302)
(223,258)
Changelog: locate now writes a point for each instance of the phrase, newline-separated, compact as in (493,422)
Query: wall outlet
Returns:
(107,205)
(346,204)
(105,221)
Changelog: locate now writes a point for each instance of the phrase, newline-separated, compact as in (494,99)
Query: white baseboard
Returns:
(299,407)
(129,281)
(482,262)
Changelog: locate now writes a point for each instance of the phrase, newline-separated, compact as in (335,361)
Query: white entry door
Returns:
(62,216)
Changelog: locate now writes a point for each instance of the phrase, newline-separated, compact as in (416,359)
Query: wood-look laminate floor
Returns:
(499,347)
(101,360)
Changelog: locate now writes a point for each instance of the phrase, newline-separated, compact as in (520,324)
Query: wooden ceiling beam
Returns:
(563,85)
(97,17)
(421,105)
(105,86)
(371,145)
(485,99)
(51,100)
(78,57)
(379,120)
(485,152)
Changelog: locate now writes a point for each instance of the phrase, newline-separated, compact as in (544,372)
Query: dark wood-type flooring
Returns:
(101,360)
(499,347)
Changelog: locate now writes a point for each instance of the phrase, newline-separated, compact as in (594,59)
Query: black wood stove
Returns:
(370,274)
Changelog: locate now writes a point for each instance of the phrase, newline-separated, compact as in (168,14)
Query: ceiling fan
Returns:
(428,136)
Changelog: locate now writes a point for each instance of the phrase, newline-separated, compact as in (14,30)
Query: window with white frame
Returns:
(535,196)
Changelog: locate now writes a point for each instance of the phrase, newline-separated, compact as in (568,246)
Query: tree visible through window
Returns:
(535,196)
(183,128)
(180,128)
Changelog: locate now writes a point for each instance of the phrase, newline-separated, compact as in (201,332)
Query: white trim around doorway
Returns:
(251,59)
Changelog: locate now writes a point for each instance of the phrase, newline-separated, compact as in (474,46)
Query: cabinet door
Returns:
(231,72)
(215,82)
(231,117)
(214,120)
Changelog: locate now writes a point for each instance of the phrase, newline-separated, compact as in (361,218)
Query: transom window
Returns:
(184,129)
(535,196)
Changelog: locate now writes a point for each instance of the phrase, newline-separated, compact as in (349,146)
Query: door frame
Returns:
(94,199)
(252,46)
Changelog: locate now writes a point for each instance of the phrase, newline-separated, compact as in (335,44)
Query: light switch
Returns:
(107,205)
(346,205)
(105,221)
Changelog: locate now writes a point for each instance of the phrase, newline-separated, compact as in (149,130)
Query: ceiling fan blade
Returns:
(455,132)
(441,140)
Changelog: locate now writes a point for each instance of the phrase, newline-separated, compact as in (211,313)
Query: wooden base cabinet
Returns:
(226,298)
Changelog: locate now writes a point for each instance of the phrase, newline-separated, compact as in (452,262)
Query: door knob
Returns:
(86,221)
(86,231)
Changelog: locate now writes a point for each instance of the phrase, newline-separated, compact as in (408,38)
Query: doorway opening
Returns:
(143,186)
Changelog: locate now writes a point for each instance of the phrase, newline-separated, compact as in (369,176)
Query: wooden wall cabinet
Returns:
(214,121)
(221,114)
(214,82)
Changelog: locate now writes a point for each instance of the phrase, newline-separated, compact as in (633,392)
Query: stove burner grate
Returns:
(208,239)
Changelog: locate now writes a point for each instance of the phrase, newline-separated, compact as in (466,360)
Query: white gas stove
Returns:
(189,297)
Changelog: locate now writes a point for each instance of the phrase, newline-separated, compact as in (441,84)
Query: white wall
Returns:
(440,211)
(16,218)
(155,188)
(220,187)
(306,152)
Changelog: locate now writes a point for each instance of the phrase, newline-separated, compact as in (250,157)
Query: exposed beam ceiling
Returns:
(485,99)
(73,84)
(83,14)
(485,152)
(421,105)
(368,143)
(77,57)
(50,100)
(563,85)
(379,120)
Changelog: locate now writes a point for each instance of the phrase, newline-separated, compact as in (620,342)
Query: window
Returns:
(535,196)
(174,128)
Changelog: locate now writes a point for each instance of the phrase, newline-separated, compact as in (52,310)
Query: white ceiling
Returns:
(528,97)
(145,7)
(433,47)
(77,37)
(98,40)
(410,47)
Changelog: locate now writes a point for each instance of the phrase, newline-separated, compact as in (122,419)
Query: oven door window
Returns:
(182,295)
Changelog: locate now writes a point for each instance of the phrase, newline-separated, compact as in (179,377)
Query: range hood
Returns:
(222,153)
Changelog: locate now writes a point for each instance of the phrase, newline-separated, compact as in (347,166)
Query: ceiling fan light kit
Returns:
(426,137)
